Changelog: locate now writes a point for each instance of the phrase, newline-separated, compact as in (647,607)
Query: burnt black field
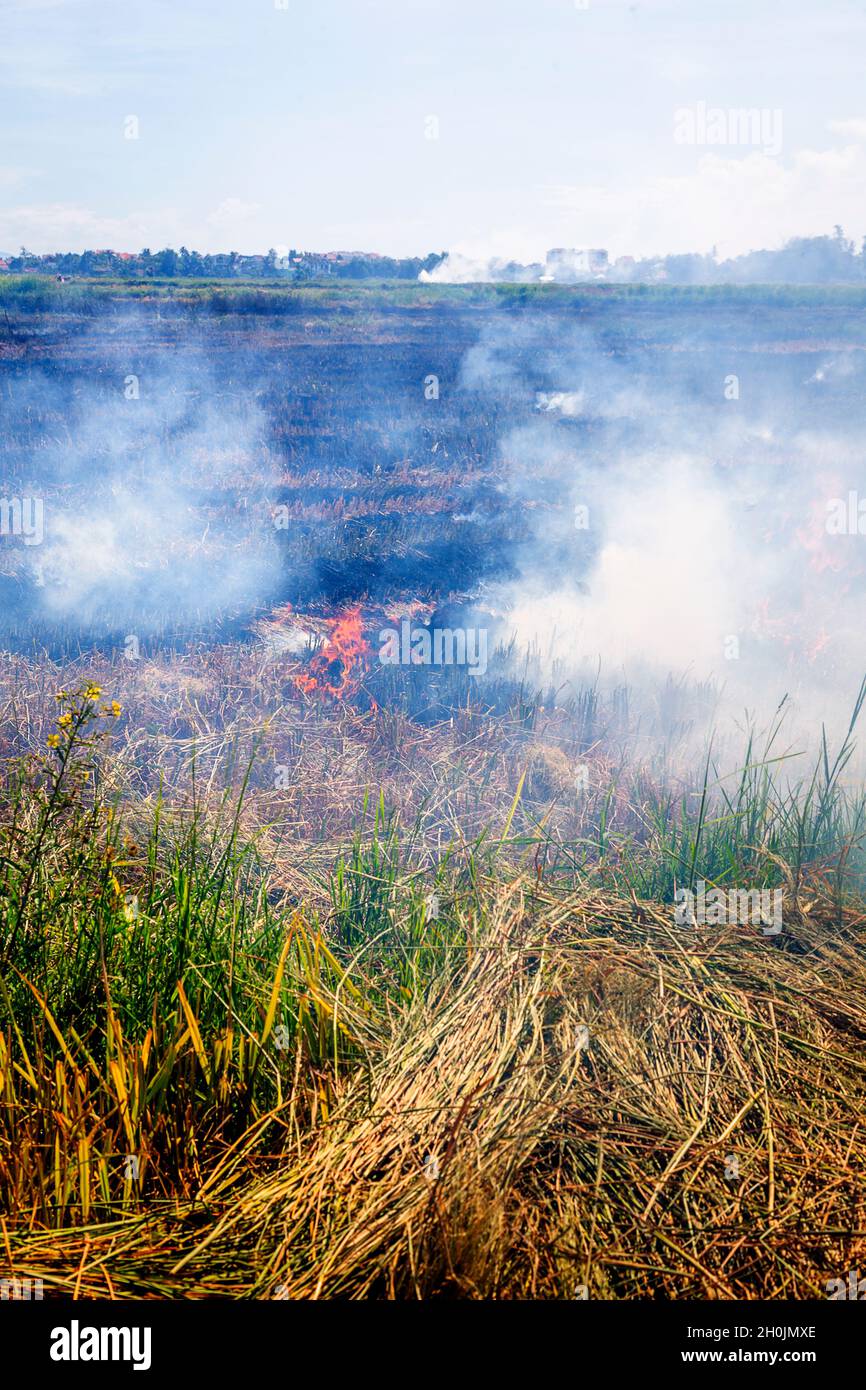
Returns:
(323,447)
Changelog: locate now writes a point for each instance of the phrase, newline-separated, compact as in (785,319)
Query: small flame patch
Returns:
(338,668)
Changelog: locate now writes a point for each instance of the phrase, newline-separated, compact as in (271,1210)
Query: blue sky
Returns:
(308,125)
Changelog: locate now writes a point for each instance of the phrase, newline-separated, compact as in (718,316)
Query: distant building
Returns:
(567,263)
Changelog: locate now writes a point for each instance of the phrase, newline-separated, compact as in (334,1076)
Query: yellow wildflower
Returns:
(53,740)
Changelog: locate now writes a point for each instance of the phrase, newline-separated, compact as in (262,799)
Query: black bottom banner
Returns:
(63,1339)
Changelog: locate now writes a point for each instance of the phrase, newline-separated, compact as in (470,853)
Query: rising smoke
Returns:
(155,479)
(685,510)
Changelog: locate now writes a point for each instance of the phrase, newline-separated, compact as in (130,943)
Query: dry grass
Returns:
(543,1089)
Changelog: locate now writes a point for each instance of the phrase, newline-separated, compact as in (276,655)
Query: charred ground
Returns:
(372,481)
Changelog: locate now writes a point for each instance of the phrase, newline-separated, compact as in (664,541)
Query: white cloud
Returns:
(737,204)
(853,130)
(67,227)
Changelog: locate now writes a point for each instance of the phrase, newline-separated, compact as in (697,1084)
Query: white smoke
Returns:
(157,501)
(676,529)
(658,592)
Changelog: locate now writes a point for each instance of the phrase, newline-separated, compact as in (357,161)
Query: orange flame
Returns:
(783,630)
(338,668)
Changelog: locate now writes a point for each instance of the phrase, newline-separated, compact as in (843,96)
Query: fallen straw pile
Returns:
(588,1100)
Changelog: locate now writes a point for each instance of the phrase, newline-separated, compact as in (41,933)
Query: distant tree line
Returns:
(289,265)
(817,260)
(821,260)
